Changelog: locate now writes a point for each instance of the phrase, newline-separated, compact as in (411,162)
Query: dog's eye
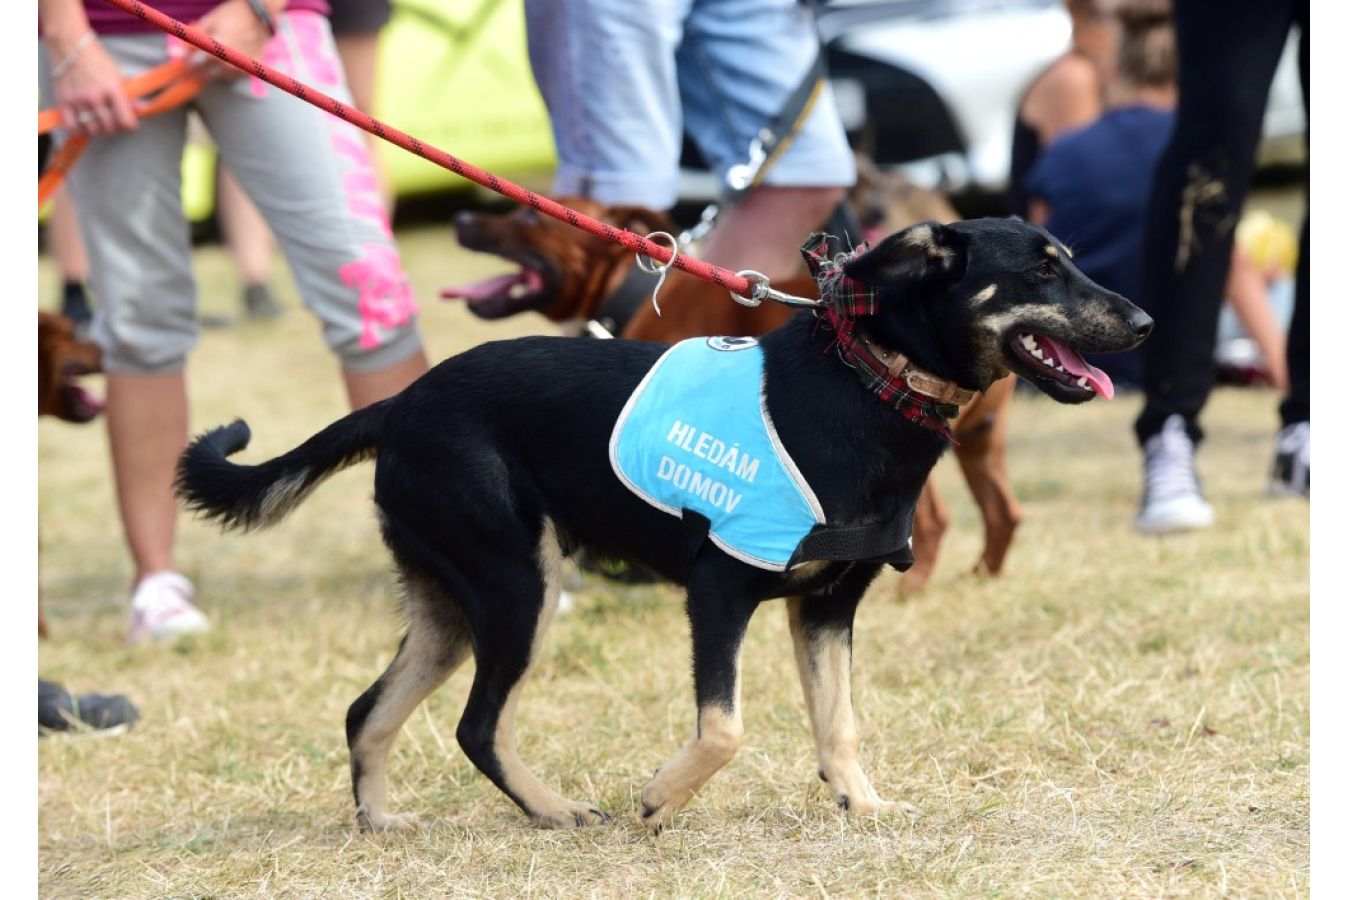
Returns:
(1046,269)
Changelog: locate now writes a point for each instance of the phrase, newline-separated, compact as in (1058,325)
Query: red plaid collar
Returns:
(921,397)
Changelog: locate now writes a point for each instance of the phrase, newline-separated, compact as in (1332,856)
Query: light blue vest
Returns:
(696,435)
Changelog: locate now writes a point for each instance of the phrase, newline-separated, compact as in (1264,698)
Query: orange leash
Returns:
(172,84)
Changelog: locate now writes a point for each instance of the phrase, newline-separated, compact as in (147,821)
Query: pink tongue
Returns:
(1075,364)
(481,290)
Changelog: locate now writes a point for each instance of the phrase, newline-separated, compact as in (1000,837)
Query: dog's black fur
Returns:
(495,464)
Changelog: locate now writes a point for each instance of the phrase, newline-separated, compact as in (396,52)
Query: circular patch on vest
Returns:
(728,344)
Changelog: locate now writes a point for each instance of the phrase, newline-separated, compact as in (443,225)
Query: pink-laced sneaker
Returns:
(161,608)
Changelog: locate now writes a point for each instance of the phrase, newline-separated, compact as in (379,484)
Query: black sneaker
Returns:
(1291,473)
(259,303)
(58,711)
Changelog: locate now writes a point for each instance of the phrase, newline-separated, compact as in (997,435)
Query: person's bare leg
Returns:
(63,234)
(246,232)
(147,431)
(364,388)
(766,229)
(360,55)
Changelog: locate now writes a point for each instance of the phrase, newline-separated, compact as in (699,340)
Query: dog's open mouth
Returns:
(529,287)
(500,295)
(80,404)
(1050,361)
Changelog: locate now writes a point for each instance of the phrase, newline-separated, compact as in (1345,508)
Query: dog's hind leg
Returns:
(506,646)
(717,622)
(436,643)
(822,637)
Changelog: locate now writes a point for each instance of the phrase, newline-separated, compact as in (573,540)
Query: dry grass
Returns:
(1116,716)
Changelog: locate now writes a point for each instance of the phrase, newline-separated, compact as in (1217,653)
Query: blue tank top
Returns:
(696,435)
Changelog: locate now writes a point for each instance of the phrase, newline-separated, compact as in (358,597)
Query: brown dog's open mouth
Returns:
(500,295)
(1055,361)
(80,404)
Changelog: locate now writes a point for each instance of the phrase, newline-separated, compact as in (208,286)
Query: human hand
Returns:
(236,25)
(89,91)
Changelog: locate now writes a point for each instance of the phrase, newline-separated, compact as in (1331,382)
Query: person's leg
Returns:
(1297,407)
(364,388)
(617,135)
(360,54)
(63,236)
(315,185)
(1227,55)
(356,32)
(250,243)
(128,191)
(765,230)
(147,430)
(729,93)
(1293,455)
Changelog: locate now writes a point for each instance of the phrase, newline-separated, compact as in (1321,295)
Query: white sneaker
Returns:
(1291,474)
(1172,499)
(161,608)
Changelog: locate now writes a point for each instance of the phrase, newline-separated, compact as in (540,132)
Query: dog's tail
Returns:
(248,497)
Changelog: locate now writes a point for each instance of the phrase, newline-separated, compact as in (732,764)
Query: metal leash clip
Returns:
(760,291)
(759,287)
(652,267)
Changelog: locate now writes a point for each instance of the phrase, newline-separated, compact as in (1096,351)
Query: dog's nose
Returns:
(463,219)
(1141,323)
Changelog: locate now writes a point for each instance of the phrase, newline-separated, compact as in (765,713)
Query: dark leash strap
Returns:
(770,141)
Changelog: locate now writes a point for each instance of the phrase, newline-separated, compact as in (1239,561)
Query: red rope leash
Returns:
(723,277)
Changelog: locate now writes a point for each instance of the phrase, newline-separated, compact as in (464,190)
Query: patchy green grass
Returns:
(1117,715)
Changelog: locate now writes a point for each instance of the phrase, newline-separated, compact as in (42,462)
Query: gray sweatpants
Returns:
(310,175)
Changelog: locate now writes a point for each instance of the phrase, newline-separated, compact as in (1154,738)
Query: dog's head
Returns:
(62,358)
(974,300)
(563,272)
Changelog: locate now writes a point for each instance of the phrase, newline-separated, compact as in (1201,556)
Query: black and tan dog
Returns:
(571,277)
(495,465)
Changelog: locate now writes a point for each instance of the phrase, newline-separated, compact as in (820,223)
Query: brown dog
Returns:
(62,357)
(567,274)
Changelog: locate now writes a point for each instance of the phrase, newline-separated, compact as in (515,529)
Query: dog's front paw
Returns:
(573,815)
(863,806)
(386,821)
(660,804)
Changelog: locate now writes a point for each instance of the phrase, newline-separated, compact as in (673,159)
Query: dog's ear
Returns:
(640,219)
(928,251)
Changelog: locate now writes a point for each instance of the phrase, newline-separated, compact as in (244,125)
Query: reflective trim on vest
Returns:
(696,434)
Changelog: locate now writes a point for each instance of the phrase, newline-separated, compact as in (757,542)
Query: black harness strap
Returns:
(884,542)
(696,528)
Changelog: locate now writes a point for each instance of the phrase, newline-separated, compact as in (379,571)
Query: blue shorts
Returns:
(622,80)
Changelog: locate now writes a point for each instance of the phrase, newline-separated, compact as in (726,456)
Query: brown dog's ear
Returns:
(640,219)
(928,251)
